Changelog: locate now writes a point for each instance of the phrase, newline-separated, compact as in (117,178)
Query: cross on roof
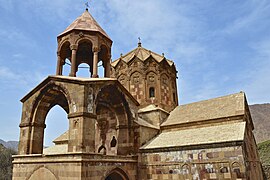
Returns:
(87,5)
(139,43)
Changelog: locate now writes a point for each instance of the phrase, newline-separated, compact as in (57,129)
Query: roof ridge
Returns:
(213,98)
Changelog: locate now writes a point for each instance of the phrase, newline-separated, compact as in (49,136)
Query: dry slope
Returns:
(261,118)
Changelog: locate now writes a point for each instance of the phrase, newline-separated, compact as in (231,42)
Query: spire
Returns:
(85,22)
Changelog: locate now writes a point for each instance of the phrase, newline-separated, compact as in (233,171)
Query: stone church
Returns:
(128,125)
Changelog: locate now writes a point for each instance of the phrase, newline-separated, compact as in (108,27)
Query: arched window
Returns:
(151,92)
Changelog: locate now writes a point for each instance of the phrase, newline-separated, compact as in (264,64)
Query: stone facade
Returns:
(128,125)
(148,76)
(209,163)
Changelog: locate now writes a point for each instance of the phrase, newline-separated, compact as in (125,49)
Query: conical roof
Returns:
(85,22)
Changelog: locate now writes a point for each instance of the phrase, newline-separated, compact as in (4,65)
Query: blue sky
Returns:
(219,47)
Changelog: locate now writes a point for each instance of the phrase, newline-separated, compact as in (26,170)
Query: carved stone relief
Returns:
(90,100)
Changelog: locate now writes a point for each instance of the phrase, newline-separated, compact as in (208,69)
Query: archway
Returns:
(104,66)
(84,70)
(64,59)
(114,176)
(56,125)
(50,96)
(114,122)
(117,174)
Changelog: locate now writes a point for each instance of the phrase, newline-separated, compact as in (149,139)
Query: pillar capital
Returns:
(73,47)
(95,49)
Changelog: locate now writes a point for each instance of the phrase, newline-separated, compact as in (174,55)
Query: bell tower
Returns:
(84,41)
(100,140)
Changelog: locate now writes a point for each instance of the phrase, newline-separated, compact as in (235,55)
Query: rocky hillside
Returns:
(10,144)
(261,118)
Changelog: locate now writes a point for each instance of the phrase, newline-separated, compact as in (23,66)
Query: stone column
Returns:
(59,64)
(73,60)
(25,129)
(95,62)
(108,68)
(37,135)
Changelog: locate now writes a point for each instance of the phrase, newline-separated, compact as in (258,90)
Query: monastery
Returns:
(128,125)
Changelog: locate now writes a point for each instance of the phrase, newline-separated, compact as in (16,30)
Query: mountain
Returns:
(10,144)
(260,114)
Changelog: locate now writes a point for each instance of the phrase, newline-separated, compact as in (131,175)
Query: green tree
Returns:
(6,162)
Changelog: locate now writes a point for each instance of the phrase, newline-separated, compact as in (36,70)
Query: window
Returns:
(113,142)
(151,92)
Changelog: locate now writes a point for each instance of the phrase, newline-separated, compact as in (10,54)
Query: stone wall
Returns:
(73,166)
(214,163)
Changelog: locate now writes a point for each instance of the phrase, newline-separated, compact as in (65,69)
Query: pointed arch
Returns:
(116,110)
(116,173)
(42,172)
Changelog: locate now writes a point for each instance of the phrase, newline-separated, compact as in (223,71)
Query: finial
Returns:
(163,54)
(87,6)
(139,43)
(121,54)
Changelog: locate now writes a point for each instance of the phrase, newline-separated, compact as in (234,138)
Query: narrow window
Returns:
(113,142)
(151,92)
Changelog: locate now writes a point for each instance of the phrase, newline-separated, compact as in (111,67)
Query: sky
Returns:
(219,47)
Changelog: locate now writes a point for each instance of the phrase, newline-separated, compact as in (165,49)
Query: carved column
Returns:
(73,60)
(59,64)
(95,62)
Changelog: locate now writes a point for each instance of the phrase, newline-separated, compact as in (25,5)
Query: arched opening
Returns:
(50,96)
(104,65)
(84,56)
(65,56)
(84,70)
(117,174)
(114,176)
(56,125)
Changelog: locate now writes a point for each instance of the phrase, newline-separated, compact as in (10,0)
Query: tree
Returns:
(6,162)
